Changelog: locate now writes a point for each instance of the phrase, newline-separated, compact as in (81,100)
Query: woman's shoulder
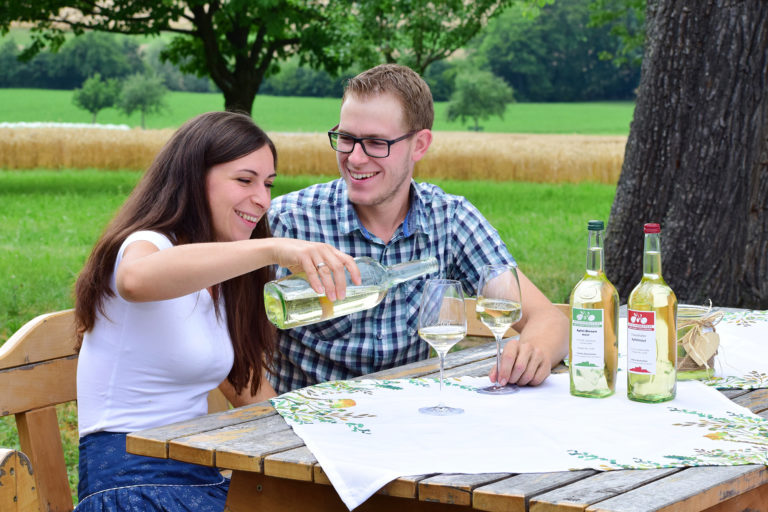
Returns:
(156,238)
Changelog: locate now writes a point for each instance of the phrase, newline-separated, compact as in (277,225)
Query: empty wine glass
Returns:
(442,324)
(499,306)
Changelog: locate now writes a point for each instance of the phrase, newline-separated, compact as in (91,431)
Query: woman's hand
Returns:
(323,264)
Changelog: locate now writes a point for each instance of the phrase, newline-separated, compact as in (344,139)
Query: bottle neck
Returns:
(410,269)
(652,256)
(595,254)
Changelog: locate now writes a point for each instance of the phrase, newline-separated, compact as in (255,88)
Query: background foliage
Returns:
(550,56)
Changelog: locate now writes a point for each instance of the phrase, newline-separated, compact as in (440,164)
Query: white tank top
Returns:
(148,364)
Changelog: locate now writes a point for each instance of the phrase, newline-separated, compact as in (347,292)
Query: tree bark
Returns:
(697,155)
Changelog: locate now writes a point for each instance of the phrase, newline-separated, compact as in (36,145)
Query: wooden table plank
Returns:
(692,489)
(154,442)
(239,447)
(402,487)
(296,464)
(756,400)
(733,393)
(599,487)
(514,493)
(455,489)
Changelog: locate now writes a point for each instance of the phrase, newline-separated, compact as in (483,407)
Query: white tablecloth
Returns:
(366,433)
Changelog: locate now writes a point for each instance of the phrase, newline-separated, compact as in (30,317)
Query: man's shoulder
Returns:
(433,196)
(313,196)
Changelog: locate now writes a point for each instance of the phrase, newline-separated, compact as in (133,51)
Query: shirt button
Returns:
(379,336)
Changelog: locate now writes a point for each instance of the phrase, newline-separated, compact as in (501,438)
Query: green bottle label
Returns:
(588,338)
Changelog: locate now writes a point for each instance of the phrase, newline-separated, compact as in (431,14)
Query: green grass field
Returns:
(293,114)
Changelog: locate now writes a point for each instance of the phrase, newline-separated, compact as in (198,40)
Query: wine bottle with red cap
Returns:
(651,329)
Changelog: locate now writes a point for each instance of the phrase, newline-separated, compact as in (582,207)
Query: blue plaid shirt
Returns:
(437,224)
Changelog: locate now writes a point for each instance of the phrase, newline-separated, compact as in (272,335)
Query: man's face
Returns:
(376,181)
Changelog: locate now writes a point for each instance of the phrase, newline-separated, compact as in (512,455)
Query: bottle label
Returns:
(587,338)
(641,342)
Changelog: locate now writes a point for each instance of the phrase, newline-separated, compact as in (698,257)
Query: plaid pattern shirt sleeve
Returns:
(438,224)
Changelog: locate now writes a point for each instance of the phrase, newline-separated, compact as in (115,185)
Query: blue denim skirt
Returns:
(112,480)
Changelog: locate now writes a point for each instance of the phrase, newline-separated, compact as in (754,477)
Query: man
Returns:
(377,210)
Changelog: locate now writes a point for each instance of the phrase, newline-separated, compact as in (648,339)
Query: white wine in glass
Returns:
(442,324)
(498,307)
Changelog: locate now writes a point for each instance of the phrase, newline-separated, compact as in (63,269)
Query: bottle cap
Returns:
(652,227)
(595,225)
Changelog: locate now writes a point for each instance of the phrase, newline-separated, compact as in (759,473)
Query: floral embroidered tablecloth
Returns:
(368,432)
(742,359)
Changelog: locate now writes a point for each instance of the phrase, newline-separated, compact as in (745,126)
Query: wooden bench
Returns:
(17,483)
(38,367)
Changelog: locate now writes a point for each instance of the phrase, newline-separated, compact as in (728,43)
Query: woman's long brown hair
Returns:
(171,199)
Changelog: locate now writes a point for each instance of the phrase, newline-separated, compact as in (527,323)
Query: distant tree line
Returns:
(108,55)
(555,56)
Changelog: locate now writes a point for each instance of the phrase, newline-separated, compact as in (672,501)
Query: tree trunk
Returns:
(239,99)
(697,156)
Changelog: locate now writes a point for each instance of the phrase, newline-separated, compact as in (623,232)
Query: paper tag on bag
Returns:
(702,347)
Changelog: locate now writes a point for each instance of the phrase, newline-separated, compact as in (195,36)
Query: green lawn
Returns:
(293,114)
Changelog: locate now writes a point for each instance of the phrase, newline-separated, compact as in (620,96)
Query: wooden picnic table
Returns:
(272,469)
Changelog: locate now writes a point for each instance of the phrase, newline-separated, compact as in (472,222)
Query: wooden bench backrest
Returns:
(38,366)
(17,483)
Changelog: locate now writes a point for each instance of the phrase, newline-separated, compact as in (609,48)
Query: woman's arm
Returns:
(265,392)
(148,274)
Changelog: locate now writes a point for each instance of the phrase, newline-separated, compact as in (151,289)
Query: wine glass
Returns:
(442,324)
(499,306)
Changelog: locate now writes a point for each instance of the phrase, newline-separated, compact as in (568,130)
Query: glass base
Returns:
(441,410)
(499,390)
(651,399)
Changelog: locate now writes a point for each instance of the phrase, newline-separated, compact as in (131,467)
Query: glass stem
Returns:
(442,364)
(498,359)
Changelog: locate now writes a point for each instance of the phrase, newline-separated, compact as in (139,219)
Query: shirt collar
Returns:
(348,221)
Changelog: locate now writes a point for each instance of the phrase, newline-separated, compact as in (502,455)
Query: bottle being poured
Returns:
(291,301)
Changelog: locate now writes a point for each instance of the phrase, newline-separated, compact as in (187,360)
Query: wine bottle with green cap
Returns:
(651,329)
(593,355)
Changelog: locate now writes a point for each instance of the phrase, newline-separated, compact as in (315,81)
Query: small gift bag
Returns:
(697,341)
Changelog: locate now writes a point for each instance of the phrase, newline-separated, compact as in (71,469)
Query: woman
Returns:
(170,305)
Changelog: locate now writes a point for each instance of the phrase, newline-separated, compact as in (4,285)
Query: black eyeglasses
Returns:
(372,146)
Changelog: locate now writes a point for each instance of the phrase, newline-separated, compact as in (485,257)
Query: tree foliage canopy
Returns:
(238,43)
(556,56)
(417,33)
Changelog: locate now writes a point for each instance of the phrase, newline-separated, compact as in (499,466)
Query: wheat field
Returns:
(453,155)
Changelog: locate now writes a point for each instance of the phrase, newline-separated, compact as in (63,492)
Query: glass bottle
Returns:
(291,301)
(651,329)
(594,345)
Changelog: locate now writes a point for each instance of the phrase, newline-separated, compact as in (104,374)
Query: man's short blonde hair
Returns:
(405,84)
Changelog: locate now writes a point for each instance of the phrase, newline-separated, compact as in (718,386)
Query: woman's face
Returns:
(239,193)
